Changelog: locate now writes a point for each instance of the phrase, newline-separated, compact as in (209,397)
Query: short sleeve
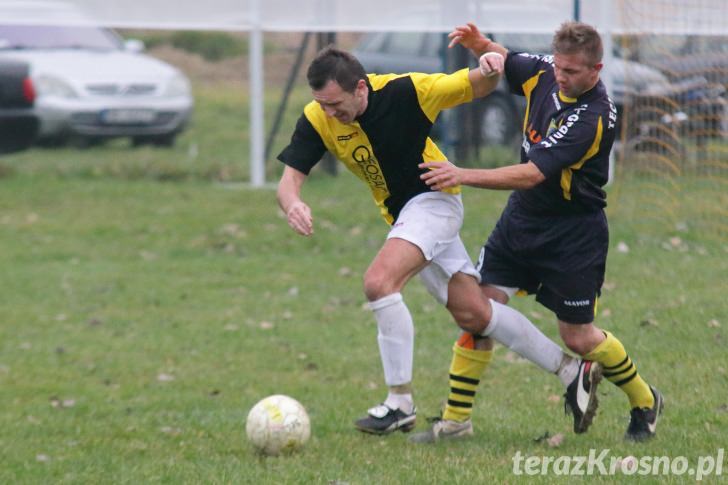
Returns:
(436,92)
(521,67)
(305,149)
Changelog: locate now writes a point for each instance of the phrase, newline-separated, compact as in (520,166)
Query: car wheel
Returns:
(54,141)
(138,141)
(164,140)
(17,134)
(498,124)
(84,142)
(157,140)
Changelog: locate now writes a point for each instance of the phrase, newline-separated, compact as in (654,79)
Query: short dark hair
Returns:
(332,64)
(578,37)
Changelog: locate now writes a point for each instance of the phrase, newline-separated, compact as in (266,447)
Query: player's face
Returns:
(574,74)
(340,104)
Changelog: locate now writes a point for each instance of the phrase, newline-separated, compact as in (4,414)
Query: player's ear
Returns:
(361,87)
(598,66)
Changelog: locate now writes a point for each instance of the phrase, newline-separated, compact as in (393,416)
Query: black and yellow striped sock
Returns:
(621,371)
(467,365)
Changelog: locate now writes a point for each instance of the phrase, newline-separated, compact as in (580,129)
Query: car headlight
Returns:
(177,86)
(52,86)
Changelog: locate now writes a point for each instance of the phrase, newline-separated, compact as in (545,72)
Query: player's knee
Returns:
(495,294)
(476,327)
(376,286)
(576,342)
(580,338)
(473,319)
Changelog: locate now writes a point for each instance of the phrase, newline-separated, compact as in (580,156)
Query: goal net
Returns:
(672,158)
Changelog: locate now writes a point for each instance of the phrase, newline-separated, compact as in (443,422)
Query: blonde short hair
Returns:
(578,38)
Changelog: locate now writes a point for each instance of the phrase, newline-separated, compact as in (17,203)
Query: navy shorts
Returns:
(559,258)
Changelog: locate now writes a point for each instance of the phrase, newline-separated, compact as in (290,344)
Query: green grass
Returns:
(141,319)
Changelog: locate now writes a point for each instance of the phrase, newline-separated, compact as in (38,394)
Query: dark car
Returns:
(18,123)
(500,114)
(680,57)
(694,105)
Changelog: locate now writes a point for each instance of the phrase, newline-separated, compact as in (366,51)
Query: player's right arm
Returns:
(470,37)
(304,151)
(289,198)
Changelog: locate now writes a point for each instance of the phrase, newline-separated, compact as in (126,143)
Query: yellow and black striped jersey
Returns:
(385,144)
(568,139)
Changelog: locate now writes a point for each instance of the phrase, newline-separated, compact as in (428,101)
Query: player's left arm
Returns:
(439,91)
(443,175)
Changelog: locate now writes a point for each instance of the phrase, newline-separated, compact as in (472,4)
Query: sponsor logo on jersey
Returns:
(533,135)
(347,137)
(577,303)
(549,58)
(553,126)
(369,166)
(481,257)
(553,138)
(525,145)
(555,97)
(612,114)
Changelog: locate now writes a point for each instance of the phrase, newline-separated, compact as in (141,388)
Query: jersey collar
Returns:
(565,99)
(598,87)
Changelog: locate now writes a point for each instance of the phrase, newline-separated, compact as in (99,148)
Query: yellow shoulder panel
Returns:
(436,92)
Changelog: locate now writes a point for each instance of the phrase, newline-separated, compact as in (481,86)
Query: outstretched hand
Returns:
(300,219)
(441,175)
(468,36)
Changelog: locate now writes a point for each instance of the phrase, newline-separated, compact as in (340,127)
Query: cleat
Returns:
(382,419)
(643,421)
(443,429)
(581,395)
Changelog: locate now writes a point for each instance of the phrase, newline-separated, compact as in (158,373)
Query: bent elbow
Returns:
(534,177)
(533,182)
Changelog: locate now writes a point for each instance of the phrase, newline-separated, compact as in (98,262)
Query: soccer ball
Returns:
(278,424)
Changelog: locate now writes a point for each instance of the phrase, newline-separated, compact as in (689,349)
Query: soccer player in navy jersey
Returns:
(552,237)
(379,126)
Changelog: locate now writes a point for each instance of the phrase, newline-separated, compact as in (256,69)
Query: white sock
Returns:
(568,369)
(396,338)
(515,331)
(400,401)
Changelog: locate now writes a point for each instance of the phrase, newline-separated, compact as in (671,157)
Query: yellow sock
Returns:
(621,371)
(466,368)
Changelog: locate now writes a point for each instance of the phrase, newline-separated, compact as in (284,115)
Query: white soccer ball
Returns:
(278,424)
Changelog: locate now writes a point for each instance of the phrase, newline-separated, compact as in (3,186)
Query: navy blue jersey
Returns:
(569,139)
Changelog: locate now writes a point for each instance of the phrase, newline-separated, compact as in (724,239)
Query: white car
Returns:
(89,83)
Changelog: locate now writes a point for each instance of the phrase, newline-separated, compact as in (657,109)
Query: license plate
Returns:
(128,116)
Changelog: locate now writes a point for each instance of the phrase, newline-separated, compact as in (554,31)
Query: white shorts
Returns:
(431,221)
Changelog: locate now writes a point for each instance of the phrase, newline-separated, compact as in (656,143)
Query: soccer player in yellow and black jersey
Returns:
(552,237)
(378,126)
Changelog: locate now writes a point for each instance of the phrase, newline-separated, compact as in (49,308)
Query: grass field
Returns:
(146,307)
